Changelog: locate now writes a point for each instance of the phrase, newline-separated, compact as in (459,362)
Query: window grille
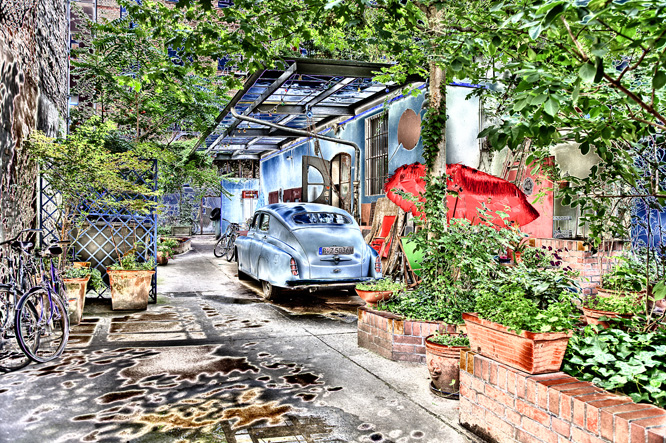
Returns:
(376,154)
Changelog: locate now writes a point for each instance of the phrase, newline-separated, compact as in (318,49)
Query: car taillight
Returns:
(378,264)
(294,267)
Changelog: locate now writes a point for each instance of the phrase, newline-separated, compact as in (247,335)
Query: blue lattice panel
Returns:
(101,233)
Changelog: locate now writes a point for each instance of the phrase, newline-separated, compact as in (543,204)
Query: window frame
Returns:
(376,153)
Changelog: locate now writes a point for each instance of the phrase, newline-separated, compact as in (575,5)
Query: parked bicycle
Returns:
(14,276)
(41,313)
(226,245)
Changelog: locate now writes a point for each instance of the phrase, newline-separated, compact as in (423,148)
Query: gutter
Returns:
(357,171)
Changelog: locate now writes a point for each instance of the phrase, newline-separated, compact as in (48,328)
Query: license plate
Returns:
(336,250)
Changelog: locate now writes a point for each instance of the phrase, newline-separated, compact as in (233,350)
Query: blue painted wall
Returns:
(231,207)
(282,170)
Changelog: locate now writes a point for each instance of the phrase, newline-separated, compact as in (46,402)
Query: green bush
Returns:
(382,284)
(450,339)
(630,362)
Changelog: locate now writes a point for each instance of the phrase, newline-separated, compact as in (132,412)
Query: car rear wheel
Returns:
(270,292)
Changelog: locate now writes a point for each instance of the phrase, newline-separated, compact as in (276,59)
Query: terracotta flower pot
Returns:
(162,258)
(592,316)
(534,353)
(444,365)
(372,297)
(75,288)
(130,289)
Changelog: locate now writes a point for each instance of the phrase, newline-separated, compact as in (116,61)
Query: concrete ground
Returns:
(212,362)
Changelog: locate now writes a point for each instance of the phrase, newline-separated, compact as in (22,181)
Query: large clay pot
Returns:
(444,366)
(130,289)
(592,316)
(75,288)
(372,297)
(534,353)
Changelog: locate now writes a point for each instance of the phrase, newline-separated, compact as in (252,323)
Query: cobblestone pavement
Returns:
(212,362)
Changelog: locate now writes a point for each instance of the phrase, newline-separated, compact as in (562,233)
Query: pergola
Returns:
(307,95)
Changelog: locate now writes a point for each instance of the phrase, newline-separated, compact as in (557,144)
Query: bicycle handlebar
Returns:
(18,235)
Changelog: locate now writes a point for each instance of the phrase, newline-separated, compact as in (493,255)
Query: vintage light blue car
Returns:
(304,245)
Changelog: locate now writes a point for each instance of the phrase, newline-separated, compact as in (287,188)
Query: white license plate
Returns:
(336,250)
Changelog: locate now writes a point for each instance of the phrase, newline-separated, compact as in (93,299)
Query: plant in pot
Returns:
(130,281)
(76,280)
(165,250)
(374,291)
(443,359)
(601,310)
(524,318)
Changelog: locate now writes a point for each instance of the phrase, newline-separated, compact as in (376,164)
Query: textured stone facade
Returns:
(33,95)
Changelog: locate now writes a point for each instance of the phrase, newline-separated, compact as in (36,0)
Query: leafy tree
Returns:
(132,80)
(81,167)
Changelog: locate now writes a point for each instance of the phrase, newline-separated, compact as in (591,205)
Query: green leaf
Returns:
(599,73)
(576,91)
(552,106)
(585,148)
(535,31)
(520,105)
(587,72)
(537,100)
(659,80)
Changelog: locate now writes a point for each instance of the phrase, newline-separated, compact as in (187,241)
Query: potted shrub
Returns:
(377,290)
(165,251)
(443,359)
(130,282)
(524,318)
(76,283)
(599,310)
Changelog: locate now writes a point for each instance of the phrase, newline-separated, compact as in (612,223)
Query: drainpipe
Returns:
(357,171)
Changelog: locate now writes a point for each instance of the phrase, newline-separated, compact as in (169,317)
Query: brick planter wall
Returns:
(576,255)
(393,337)
(502,404)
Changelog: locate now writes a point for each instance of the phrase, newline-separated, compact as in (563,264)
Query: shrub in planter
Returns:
(522,321)
(378,290)
(130,282)
(599,310)
(443,359)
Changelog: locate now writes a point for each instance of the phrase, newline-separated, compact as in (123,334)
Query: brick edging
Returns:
(394,337)
(506,405)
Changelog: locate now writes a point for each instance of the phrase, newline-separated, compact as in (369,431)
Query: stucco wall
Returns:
(33,95)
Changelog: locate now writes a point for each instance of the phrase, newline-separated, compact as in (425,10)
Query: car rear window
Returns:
(321,218)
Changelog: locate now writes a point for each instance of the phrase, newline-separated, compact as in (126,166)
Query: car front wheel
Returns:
(270,292)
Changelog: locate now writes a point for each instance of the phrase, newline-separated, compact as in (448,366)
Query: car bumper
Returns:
(326,284)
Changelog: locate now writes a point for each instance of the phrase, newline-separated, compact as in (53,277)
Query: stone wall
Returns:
(394,337)
(502,404)
(33,95)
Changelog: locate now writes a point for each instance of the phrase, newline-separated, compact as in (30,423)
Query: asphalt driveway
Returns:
(212,362)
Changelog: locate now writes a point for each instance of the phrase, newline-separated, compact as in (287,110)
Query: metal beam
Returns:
(336,68)
(255,132)
(281,80)
(236,98)
(302,109)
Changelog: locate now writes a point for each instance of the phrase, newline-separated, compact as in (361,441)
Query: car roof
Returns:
(285,210)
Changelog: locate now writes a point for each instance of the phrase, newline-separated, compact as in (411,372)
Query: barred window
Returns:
(376,154)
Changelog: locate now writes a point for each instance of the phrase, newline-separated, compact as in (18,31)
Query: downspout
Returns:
(357,171)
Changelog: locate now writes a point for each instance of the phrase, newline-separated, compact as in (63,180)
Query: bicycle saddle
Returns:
(25,246)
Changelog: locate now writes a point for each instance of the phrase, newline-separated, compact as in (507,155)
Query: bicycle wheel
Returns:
(11,355)
(43,318)
(221,247)
(231,247)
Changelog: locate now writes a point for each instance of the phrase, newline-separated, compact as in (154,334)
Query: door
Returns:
(316,180)
(341,181)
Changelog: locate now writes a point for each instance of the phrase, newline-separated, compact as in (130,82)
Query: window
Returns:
(376,154)
(325,218)
(264,223)
(255,221)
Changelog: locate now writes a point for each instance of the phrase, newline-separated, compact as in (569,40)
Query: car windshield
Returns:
(321,218)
